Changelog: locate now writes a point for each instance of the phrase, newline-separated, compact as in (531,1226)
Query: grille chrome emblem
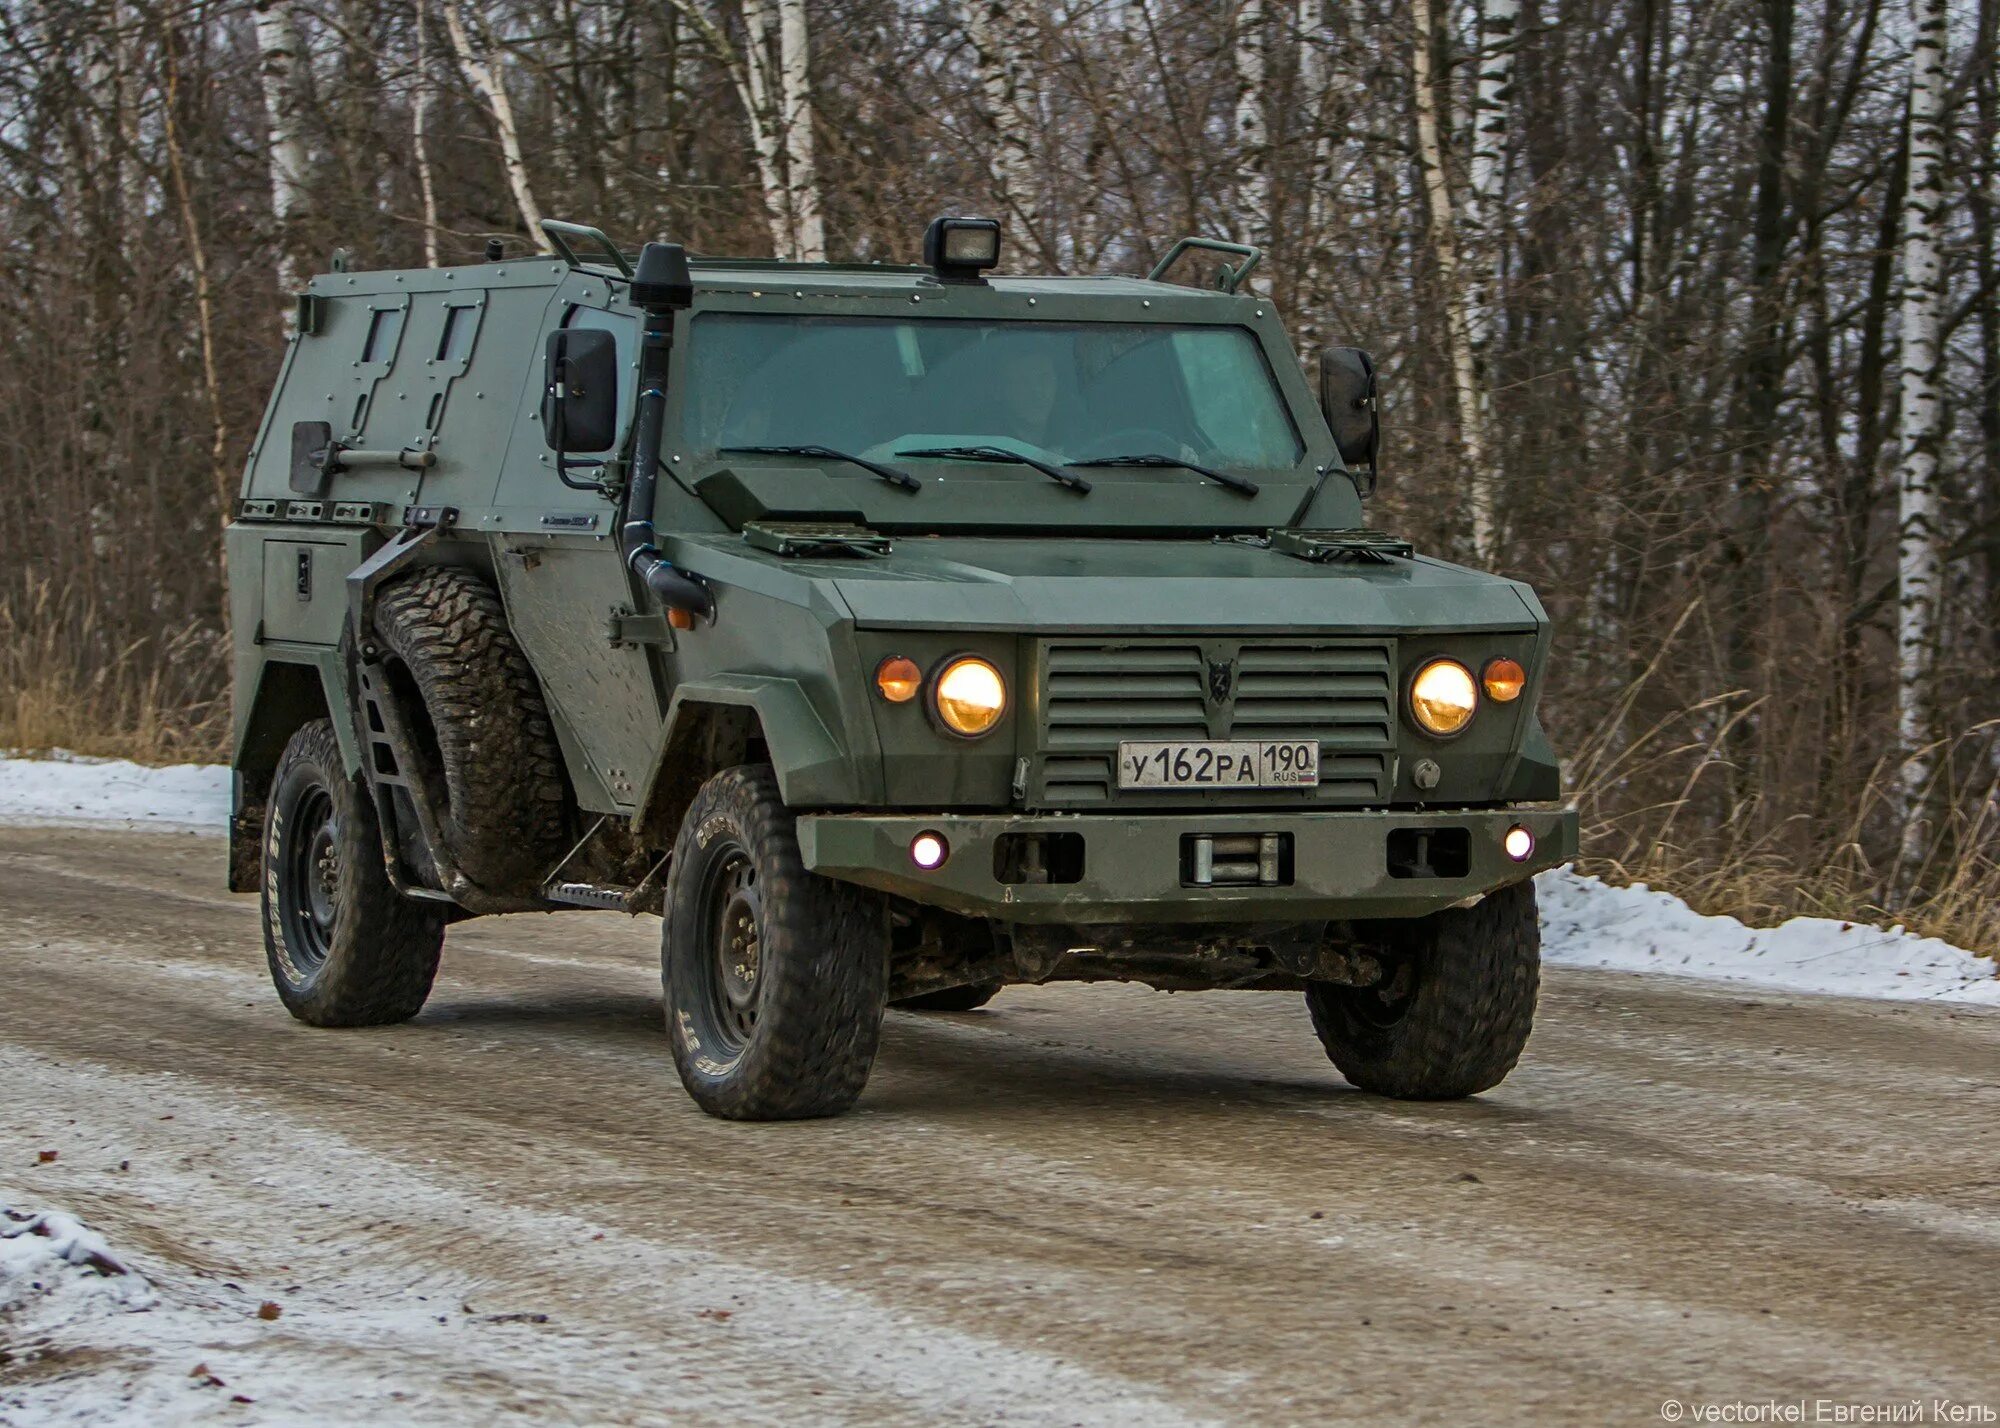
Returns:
(1221,676)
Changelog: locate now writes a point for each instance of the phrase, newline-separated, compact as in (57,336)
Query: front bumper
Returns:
(1136,869)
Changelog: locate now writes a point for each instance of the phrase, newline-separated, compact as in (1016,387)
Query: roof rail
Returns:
(1229,279)
(559,234)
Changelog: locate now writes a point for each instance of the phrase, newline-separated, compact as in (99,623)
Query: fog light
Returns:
(929,850)
(1519,843)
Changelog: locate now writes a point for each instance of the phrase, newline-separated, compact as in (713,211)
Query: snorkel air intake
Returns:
(661,286)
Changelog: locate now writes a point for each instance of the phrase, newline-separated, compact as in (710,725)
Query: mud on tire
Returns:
(1454,1009)
(775,978)
(494,774)
(345,948)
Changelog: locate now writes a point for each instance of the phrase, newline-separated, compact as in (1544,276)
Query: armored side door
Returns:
(567,592)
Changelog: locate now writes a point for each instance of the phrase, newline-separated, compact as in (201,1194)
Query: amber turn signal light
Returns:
(898,679)
(1504,680)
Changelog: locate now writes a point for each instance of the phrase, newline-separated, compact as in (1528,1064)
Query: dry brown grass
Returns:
(68,682)
(1658,808)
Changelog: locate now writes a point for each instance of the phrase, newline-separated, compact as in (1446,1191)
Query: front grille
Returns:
(1095,694)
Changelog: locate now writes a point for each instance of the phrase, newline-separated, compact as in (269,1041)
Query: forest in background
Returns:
(1687,312)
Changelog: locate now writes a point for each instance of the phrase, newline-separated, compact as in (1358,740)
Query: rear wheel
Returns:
(1453,1008)
(345,948)
(951,999)
(775,978)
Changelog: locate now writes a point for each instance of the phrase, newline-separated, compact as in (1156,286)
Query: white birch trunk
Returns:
(1458,326)
(1315,95)
(749,72)
(420,124)
(1001,32)
(1253,132)
(760,108)
(1922,414)
(281,66)
(1492,108)
(801,171)
(482,72)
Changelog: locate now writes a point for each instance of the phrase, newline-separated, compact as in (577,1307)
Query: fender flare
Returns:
(813,770)
(287,691)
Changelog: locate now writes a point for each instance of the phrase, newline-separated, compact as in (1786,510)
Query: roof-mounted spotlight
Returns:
(661,282)
(958,250)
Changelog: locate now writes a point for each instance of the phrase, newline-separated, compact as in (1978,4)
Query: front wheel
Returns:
(1453,1008)
(775,978)
(345,948)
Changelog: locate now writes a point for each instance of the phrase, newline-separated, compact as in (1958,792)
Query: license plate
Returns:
(1233,763)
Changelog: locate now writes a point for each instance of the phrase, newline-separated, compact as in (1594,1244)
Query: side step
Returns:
(589,895)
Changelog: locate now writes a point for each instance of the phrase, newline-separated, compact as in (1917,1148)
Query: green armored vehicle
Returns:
(897,633)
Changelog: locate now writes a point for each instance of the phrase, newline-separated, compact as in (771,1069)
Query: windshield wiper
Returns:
(828,453)
(1003,455)
(1243,485)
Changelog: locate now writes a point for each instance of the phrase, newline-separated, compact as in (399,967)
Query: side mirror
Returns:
(1347,396)
(580,390)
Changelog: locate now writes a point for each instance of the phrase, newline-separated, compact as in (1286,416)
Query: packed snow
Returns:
(1585,922)
(56,1273)
(1589,923)
(66,788)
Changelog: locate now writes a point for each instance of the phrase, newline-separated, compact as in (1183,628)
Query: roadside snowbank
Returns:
(67,788)
(55,1270)
(1588,923)
(1585,922)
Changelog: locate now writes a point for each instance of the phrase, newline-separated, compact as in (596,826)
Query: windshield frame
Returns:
(1050,302)
(1276,426)
(967,496)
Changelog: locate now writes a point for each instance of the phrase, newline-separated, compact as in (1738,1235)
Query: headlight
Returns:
(1443,697)
(971,696)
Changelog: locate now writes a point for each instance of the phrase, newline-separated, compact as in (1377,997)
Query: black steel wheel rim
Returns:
(731,964)
(309,880)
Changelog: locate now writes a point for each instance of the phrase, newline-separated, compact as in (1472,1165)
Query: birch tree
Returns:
(749,71)
(281,66)
(1000,32)
(421,100)
(802,207)
(1492,109)
(1923,411)
(476,60)
(1253,130)
(1472,443)
(1315,96)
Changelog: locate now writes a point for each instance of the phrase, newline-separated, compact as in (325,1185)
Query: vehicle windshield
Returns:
(1059,391)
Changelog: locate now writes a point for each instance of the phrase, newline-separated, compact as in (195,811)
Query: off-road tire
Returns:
(1454,1009)
(494,773)
(951,999)
(799,1038)
(359,953)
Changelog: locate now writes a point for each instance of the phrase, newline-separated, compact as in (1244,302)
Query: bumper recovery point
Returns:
(1235,867)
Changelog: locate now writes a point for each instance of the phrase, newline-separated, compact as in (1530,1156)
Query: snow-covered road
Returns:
(1081,1205)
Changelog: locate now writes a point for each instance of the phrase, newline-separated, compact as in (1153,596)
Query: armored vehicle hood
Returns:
(1143,586)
